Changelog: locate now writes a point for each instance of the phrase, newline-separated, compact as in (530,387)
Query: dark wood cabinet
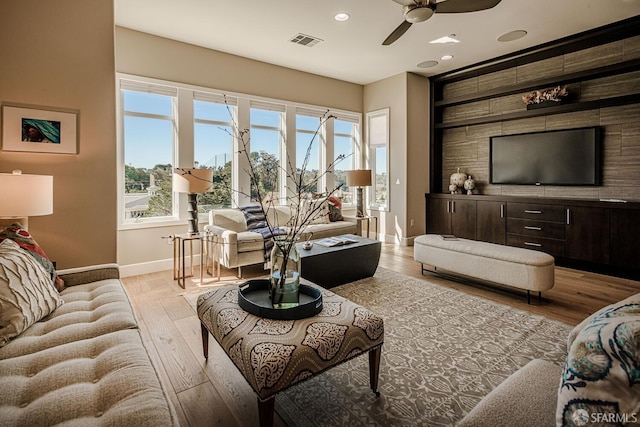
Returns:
(451,215)
(590,234)
(587,234)
(490,222)
(625,238)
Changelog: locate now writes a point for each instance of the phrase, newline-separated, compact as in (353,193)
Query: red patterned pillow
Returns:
(335,209)
(22,237)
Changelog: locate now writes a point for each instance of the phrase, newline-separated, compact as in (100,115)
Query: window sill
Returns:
(151,223)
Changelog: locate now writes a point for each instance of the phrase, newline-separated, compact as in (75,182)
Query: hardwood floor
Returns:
(213,392)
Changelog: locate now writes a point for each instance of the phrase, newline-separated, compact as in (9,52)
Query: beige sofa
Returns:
(85,364)
(240,247)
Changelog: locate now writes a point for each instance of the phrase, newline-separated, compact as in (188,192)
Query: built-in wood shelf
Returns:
(556,109)
(596,73)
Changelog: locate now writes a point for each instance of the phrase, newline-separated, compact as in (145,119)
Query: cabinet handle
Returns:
(528,227)
(537,245)
(502,210)
(532,212)
(448,206)
(453,206)
(568,216)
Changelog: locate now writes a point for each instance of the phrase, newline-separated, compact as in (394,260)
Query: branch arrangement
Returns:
(554,94)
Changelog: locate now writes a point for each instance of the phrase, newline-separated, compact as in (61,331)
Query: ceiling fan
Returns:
(421,10)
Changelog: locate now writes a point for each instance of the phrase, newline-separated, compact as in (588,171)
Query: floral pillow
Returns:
(601,377)
(335,209)
(314,210)
(22,237)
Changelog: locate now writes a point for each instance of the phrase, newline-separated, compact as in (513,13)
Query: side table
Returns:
(179,256)
(359,220)
(212,250)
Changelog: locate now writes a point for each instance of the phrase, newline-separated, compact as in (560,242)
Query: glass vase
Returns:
(284,288)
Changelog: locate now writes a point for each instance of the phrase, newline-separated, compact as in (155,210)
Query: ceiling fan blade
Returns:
(397,33)
(405,2)
(462,6)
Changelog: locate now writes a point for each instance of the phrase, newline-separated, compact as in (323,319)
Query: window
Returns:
(378,131)
(265,139)
(345,139)
(149,140)
(163,125)
(308,151)
(213,149)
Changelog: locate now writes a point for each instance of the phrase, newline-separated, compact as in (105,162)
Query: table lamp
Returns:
(23,195)
(192,181)
(359,178)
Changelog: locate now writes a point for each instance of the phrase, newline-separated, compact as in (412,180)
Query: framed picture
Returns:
(39,130)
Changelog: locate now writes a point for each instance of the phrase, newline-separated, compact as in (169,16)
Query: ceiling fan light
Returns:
(415,14)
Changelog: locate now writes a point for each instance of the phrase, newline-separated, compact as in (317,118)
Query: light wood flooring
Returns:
(213,392)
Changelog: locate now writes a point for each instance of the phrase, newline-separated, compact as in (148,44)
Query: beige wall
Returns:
(406,95)
(60,54)
(156,57)
(151,56)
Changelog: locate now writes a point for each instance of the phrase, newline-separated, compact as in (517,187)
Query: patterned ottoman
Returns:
(275,354)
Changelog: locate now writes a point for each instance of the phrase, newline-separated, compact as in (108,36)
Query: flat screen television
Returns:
(563,157)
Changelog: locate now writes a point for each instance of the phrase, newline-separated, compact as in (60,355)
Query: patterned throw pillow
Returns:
(601,377)
(26,291)
(22,237)
(335,209)
(316,209)
(254,216)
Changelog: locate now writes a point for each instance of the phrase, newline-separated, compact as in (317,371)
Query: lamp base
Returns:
(7,221)
(192,213)
(359,203)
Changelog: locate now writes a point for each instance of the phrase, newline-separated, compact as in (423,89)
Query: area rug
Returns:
(443,351)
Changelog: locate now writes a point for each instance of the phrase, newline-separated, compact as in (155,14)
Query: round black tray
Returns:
(253,297)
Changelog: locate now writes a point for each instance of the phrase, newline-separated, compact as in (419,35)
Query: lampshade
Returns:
(191,181)
(23,195)
(359,178)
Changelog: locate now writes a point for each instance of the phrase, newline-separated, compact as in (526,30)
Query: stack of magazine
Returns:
(336,241)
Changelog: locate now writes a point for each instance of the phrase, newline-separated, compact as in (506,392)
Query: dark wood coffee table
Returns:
(333,266)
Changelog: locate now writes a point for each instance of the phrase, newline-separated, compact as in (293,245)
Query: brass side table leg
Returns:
(202,262)
(176,259)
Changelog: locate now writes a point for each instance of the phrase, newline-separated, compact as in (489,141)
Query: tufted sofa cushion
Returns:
(89,310)
(106,380)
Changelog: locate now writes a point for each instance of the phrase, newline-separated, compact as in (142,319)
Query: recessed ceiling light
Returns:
(446,39)
(341,17)
(427,64)
(512,35)
(446,57)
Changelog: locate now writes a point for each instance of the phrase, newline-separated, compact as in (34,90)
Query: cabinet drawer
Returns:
(535,211)
(550,246)
(527,227)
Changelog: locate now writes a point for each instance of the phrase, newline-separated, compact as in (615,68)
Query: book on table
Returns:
(336,241)
(448,237)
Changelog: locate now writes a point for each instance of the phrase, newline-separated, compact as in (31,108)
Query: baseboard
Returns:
(151,267)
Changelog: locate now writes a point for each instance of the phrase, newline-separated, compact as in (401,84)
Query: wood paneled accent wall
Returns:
(604,85)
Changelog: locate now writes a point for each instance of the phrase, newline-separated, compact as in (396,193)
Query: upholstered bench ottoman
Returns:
(506,265)
(275,354)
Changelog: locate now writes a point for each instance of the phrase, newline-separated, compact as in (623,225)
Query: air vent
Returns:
(305,40)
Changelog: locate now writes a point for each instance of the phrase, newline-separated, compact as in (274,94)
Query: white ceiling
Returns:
(352,50)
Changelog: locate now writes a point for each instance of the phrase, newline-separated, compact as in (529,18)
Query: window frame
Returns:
(183,142)
(372,160)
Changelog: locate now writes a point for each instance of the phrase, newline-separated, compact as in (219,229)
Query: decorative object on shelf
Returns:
(285,273)
(469,185)
(359,178)
(192,181)
(546,97)
(458,180)
(24,195)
